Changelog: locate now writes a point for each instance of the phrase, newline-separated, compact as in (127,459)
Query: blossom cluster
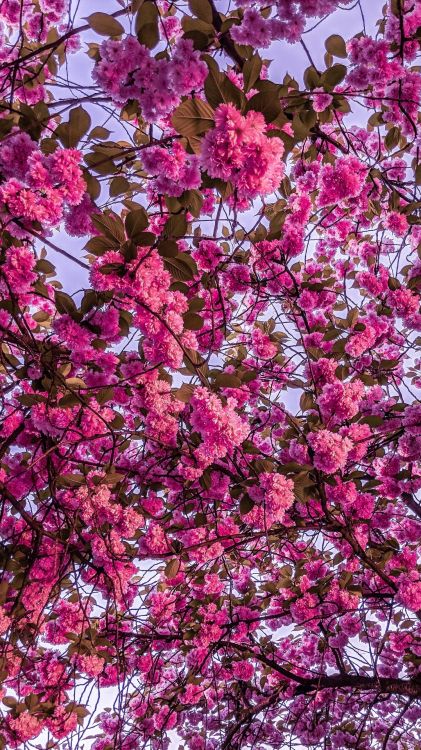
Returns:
(239,151)
(210,427)
(40,188)
(127,70)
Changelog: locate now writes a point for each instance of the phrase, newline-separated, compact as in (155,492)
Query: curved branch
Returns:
(392,686)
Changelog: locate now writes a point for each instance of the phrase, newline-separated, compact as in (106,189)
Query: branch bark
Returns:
(224,39)
(391,686)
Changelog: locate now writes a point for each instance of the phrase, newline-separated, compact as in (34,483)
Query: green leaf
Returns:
(333,76)
(196,304)
(249,447)
(393,283)
(146,239)
(70,133)
(226,380)
(118,422)
(64,303)
(266,103)
(33,119)
(306,401)
(308,118)
(113,477)
(110,225)
(340,104)
(93,185)
(193,26)
(146,25)
(392,138)
(375,119)
(135,222)
(199,38)
(184,393)
(389,364)
(5,126)
(99,132)
(99,163)
(108,268)
(300,128)
(176,226)
(9,701)
(312,78)
(71,480)
(44,266)
(182,267)
(75,382)
(213,85)
(81,712)
(193,117)
(336,46)
(395,7)
(30,399)
(201,9)
(119,185)
(251,71)
(246,505)
(104,24)
(219,88)
(172,568)
(89,300)
(99,245)
(193,321)
(41,316)
(69,400)
(168,249)
(194,200)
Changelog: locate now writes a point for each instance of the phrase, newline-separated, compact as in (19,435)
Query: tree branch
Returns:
(224,39)
(410,688)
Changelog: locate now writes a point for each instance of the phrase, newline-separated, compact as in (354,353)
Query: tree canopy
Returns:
(209,447)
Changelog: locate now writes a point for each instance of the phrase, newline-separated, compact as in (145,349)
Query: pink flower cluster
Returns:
(96,508)
(360,341)
(145,284)
(353,503)
(78,219)
(173,169)
(287,21)
(340,401)
(209,464)
(330,450)
(341,181)
(46,186)
(219,426)
(207,255)
(375,68)
(15,151)
(39,18)
(273,497)
(18,269)
(238,151)
(127,70)
(162,409)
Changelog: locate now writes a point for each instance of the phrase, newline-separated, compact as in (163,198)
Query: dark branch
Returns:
(224,39)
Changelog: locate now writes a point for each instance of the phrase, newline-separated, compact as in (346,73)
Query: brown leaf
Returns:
(104,24)
(335,45)
(193,117)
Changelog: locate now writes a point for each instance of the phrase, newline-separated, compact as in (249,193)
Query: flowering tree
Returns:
(208,465)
